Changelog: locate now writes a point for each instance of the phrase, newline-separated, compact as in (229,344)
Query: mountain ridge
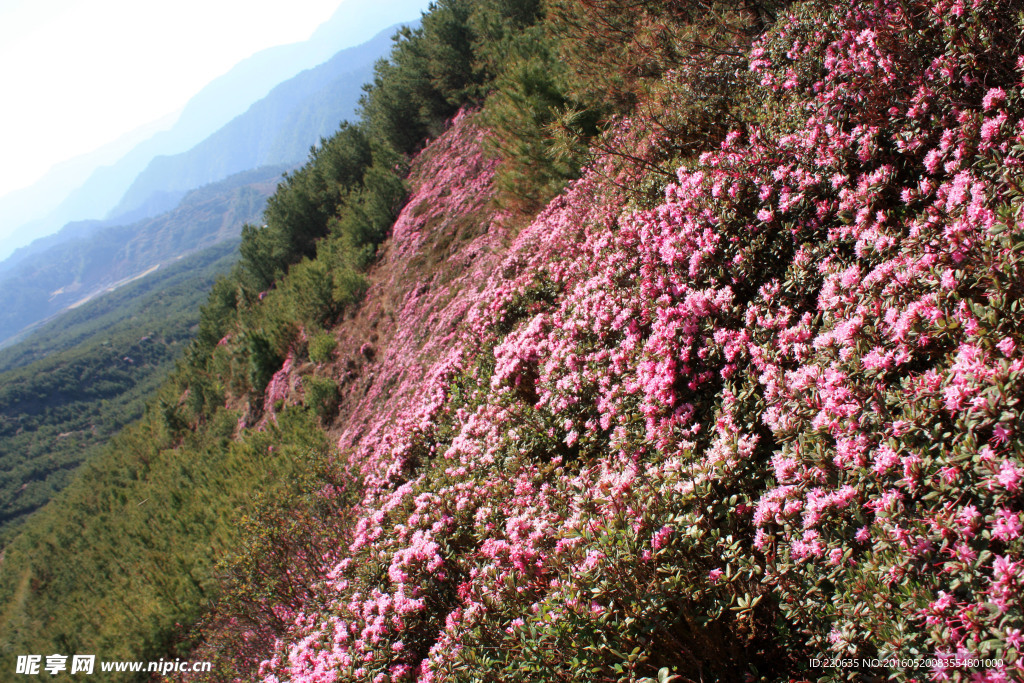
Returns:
(42,284)
(274,132)
(224,98)
(252,138)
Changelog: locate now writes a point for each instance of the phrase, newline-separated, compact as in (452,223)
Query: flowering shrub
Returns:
(776,416)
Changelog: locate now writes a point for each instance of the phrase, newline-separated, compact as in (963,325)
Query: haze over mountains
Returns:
(78,189)
(138,221)
(277,129)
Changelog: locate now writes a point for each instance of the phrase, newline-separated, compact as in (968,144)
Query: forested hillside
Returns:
(616,341)
(81,378)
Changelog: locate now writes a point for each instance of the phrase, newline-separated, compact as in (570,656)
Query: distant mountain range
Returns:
(277,129)
(163,215)
(74,271)
(78,190)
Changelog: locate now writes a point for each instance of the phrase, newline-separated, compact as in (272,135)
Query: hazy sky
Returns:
(77,74)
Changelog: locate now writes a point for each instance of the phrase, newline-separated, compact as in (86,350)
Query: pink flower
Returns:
(661,537)
(1009,476)
(993,98)
(885,457)
(932,161)
(715,575)
(968,519)
(944,602)
(1007,525)
(990,129)
(1001,433)
(1014,638)
(1004,570)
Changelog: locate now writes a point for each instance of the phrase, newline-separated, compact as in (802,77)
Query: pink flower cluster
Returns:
(804,361)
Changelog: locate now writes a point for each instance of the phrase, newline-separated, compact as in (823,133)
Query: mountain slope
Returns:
(743,394)
(85,375)
(74,271)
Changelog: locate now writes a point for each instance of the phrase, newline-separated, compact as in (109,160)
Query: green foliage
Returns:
(264,360)
(429,74)
(452,60)
(316,295)
(321,395)
(304,267)
(146,523)
(501,28)
(618,48)
(529,108)
(285,542)
(370,212)
(298,214)
(322,346)
(218,312)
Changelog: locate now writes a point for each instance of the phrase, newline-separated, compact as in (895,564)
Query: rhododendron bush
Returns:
(776,416)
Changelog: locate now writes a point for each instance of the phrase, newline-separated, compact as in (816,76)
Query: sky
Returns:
(78,74)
